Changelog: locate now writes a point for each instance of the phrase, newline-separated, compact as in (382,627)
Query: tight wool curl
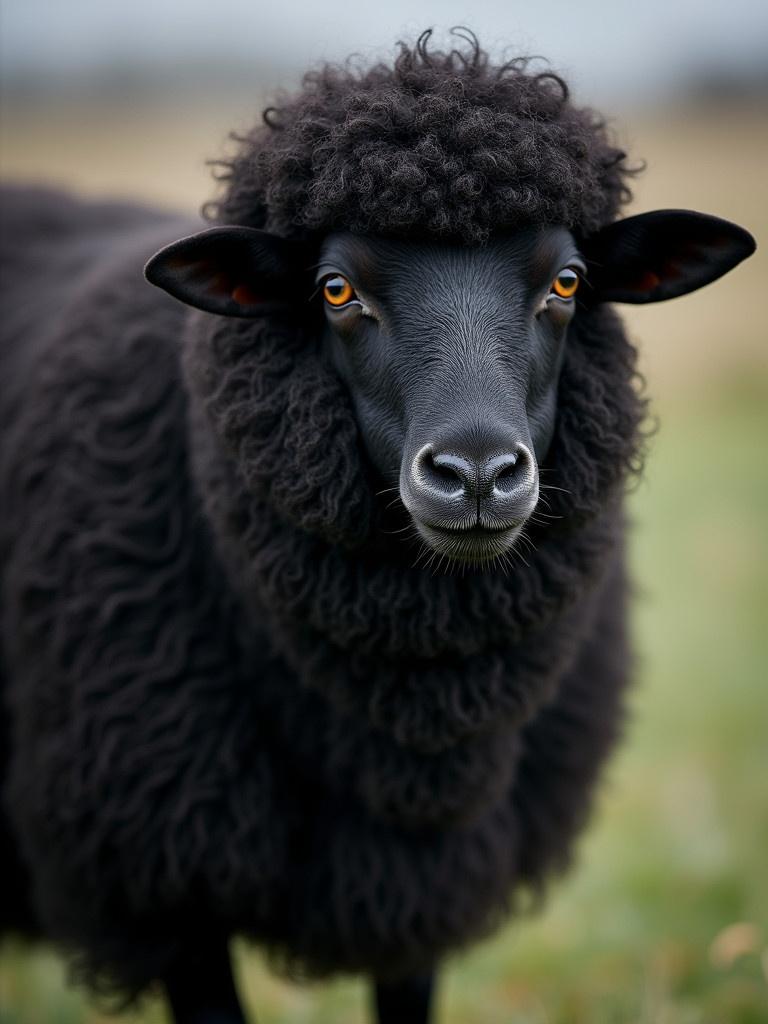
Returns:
(231,706)
(444,144)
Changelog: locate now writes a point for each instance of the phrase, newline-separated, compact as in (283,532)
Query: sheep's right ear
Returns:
(235,271)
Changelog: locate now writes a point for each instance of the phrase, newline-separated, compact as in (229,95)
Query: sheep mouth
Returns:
(476,545)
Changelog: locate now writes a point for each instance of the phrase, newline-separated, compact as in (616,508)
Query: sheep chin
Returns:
(475,548)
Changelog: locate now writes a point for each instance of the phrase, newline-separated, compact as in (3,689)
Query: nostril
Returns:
(453,470)
(511,471)
(441,472)
(506,473)
(444,469)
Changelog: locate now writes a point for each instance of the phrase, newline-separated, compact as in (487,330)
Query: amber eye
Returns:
(566,283)
(337,291)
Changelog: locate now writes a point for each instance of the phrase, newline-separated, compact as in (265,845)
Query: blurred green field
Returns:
(664,919)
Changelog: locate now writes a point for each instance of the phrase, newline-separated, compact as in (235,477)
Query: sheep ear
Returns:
(660,255)
(234,271)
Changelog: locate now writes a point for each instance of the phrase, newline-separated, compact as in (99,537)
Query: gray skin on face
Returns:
(451,356)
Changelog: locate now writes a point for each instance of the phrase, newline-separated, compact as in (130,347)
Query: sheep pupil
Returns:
(566,283)
(338,291)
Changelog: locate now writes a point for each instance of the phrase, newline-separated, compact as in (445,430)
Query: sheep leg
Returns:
(405,1002)
(201,988)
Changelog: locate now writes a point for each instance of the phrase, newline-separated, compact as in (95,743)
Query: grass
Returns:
(664,919)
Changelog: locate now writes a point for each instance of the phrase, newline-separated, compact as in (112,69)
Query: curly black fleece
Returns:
(233,707)
(445,144)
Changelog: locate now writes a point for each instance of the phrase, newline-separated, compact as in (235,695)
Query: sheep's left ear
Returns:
(235,271)
(660,255)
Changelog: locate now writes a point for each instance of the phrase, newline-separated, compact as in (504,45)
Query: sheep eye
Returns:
(337,291)
(565,284)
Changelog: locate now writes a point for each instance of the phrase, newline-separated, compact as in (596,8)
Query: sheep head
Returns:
(451,354)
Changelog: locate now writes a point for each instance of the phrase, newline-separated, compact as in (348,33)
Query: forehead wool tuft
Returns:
(438,144)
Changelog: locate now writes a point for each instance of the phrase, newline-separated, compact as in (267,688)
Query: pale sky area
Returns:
(623,49)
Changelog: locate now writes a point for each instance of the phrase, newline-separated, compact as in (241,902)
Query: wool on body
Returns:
(228,707)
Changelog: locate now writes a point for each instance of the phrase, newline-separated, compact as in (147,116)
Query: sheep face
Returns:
(451,353)
(451,356)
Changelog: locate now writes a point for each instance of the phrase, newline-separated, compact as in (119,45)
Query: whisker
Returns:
(392,533)
(422,551)
(553,487)
(543,519)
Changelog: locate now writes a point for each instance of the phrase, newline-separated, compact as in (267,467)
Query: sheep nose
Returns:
(498,488)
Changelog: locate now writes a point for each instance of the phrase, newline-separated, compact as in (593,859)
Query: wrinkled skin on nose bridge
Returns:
(466,386)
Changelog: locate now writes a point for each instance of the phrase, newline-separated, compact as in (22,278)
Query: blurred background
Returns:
(665,918)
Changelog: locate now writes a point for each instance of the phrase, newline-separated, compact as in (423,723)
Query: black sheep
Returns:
(236,697)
